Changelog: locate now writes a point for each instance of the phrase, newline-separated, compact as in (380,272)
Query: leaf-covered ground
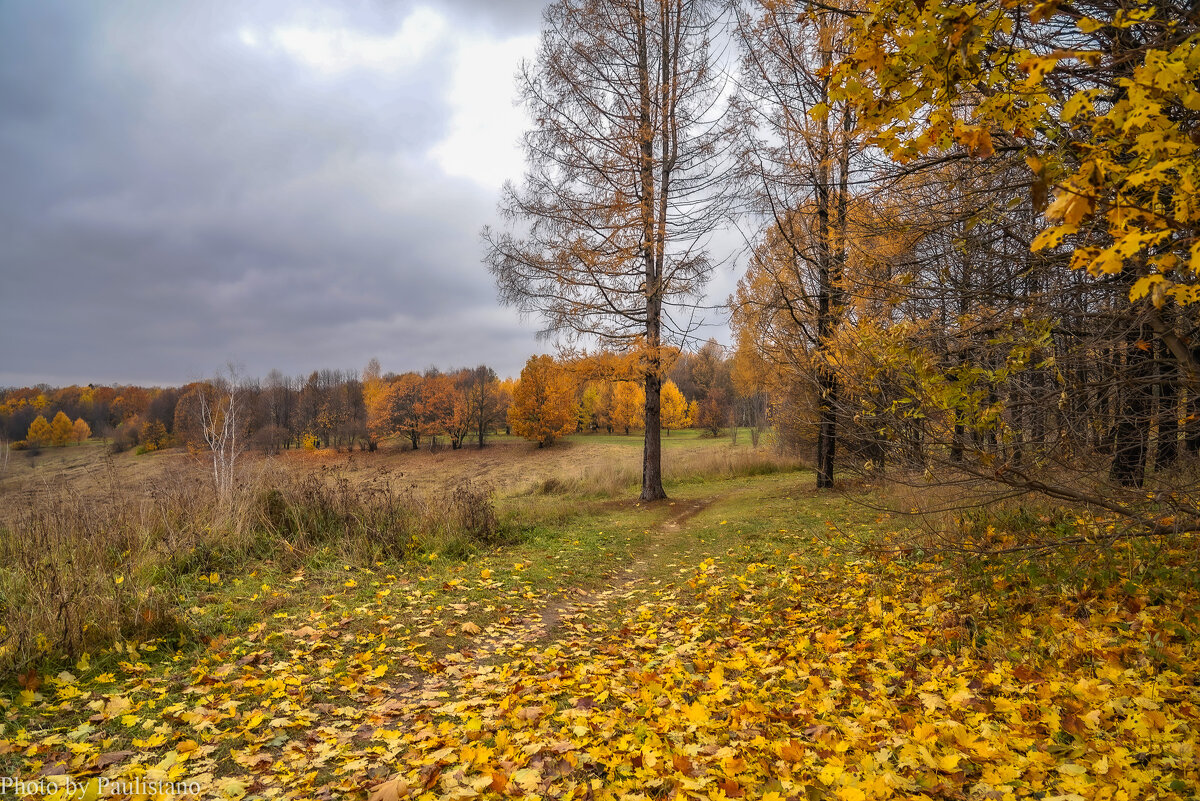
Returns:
(711,649)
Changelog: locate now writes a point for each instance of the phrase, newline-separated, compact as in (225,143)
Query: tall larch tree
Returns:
(606,238)
(800,149)
(39,432)
(60,430)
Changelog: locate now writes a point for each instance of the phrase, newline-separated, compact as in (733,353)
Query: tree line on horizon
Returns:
(346,409)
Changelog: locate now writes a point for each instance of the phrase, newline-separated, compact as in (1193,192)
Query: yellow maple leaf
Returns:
(1070,206)
(697,713)
(527,779)
(391,790)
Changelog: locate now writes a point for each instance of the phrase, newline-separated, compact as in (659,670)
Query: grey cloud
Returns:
(173,198)
(506,17)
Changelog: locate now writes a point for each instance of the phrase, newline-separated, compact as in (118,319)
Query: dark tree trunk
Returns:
(1131,430)
(827,434)
(832,259)
(653,204)
(1191,430)
(652,488)
(1167,452)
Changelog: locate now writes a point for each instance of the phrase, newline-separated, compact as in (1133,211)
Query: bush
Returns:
(329,511)
(124,438)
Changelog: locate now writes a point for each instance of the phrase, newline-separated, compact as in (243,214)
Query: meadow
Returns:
(511,623)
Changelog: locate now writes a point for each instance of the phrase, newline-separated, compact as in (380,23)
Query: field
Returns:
(750,637)
(508,464)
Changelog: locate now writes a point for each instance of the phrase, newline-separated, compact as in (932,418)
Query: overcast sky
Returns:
(279,184)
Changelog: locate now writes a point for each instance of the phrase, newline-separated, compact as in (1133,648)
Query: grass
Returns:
(84,571)
(319,638)
(102,548)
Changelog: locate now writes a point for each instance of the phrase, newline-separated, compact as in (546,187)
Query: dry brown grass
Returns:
(93,546)
(713,461)
(507,465)
(85,562)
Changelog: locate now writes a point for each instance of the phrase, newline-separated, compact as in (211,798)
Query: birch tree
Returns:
(220,411)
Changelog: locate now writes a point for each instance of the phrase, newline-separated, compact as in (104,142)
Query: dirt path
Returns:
(666,540)
(572,608)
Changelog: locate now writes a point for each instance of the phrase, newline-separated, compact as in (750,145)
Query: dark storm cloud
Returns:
(177,193)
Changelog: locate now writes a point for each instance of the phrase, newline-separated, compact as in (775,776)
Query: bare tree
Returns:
(800,151)
(480,387)
(220,409)
(624,182)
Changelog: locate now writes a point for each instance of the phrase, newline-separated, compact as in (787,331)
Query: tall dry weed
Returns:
(79,571)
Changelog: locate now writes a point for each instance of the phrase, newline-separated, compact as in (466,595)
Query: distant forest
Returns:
(352,409)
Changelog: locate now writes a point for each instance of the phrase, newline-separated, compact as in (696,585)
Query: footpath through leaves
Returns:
(775,669)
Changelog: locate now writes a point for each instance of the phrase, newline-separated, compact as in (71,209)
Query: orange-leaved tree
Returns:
(60,430)
(435,409)
(674,408)
(396,409)
(373,389)
(39,432)
(628,399)
(80,430)
(543,405)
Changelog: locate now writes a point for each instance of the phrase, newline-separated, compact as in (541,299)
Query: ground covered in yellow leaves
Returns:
(730,651)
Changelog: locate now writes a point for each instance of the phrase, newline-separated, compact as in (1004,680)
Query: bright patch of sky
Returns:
(338,49)
(485,124)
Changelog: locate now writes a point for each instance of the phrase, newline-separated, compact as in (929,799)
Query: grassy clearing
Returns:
(691,459)
(750,638)
(91,558)
(341,626)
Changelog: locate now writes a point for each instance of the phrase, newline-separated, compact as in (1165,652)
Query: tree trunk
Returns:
(827,434)
(1167,452)
(956,441)
(653,212)
(652,488)
(831,221)
(1132,426)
